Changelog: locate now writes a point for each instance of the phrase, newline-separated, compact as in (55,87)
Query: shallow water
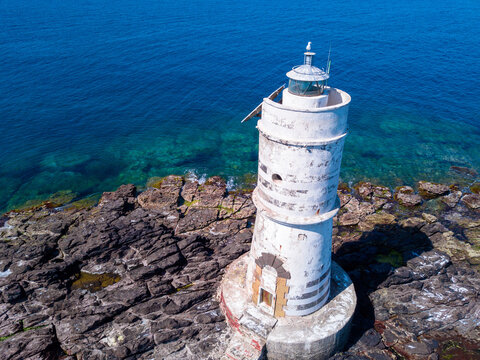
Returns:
(98,94)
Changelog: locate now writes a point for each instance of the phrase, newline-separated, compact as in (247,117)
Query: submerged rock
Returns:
(464,170)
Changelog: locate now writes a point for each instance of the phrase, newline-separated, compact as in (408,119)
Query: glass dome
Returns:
(306,79)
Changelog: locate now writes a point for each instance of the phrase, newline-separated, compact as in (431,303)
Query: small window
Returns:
(276,178)
(266,298)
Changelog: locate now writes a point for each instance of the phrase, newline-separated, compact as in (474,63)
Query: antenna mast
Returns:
(329,62)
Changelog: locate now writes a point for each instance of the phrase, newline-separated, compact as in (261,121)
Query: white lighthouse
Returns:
(287,274)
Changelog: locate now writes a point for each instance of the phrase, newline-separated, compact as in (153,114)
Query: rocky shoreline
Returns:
(135,276)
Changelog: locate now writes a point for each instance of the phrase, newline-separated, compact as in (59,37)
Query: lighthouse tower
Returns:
(300,152)
(288,276)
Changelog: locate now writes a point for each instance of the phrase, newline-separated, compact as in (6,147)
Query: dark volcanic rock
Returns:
(157,301)
(33,344)
(136,276)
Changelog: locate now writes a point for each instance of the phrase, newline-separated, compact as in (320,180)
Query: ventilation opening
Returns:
(266,298)
(276,178)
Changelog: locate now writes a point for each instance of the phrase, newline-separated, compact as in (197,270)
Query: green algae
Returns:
(62,197)
(84,203)
(157,182)
(55,200)
(227,209)
(33,327)
(458,348)
(247,181)
(184,287)
(393,258)
(475,188)
(24,329)
(2,338)
(94,282)
(189,203)
(343,187)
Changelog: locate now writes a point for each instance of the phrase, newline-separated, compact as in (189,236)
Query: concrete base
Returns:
(315,336)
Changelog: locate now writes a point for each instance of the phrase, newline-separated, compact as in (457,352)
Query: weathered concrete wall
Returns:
(301,102)
(304,251)
(309,177)
(306,126)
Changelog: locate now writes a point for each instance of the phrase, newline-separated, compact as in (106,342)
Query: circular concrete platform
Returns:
(316,336)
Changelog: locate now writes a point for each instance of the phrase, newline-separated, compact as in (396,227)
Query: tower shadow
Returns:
(370,260)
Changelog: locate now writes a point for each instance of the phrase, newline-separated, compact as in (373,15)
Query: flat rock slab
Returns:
(257,322)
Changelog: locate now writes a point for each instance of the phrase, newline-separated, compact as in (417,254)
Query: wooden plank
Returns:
(254,113)
(276,92)
(282,290)
(258,109)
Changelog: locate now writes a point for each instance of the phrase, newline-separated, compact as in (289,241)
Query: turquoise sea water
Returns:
(94,94)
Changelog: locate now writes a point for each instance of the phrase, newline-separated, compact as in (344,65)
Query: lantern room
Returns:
(307,84)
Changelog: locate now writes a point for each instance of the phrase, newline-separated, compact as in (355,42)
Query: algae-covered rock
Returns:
(456,248)
(55,200)
(393,258)
(475,188)
(429,190)
(364,189)
(367,190)
(406,196)
(84,203)
(167,181)
(94,282)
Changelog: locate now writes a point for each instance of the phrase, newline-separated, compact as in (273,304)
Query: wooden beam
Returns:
(254,113)
(258,109)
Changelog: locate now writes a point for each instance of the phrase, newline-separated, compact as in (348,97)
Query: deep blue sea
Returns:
(94,94)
